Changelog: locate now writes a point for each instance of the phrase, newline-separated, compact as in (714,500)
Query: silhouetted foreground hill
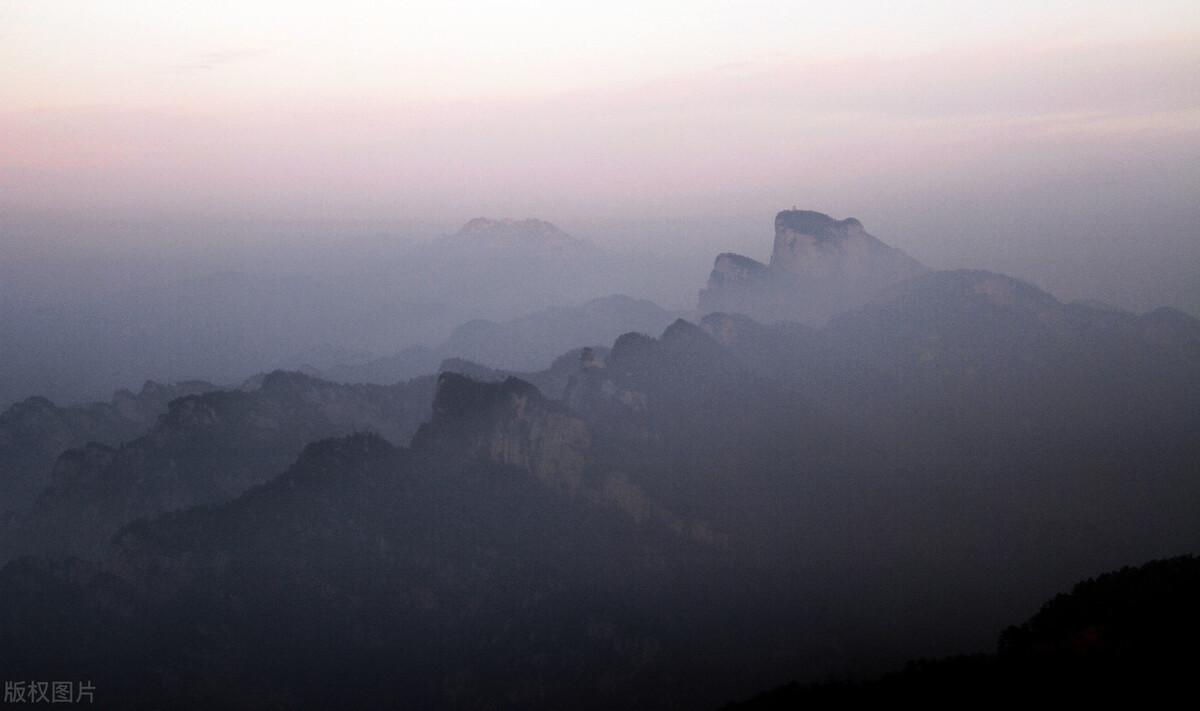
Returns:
(1129,634)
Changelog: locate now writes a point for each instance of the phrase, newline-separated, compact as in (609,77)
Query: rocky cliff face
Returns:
(513,424)
(508,422)
(813,244)
(819,267)
(733,271)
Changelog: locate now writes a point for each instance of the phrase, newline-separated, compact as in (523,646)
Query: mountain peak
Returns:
(813,243)
(510,423)
(819,267)
(459,397)
(507,230)
(682,330)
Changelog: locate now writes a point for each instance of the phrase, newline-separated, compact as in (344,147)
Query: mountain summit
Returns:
(509,232)
(819,267)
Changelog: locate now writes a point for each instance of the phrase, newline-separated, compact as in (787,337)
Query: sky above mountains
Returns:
(1014,136)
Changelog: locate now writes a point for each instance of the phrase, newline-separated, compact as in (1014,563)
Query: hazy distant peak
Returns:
(819,267)
(530,229)
(35,405)
(814,244)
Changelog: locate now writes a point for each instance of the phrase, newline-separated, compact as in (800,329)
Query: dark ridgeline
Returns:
(34,431)
(676,522)
(203,449)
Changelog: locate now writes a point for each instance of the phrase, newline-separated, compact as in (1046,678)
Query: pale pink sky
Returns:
(435,112)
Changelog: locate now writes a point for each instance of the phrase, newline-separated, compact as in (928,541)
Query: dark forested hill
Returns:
(1128,635)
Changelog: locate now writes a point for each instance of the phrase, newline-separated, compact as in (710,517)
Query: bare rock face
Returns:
(512,423)
(812,244)
(509,422)
(733,271)
(819,267)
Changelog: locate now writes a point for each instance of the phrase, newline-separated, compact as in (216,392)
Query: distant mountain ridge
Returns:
(35,431)
(501,269)
(527,343)
(223,325)
(677,520)
(205,448)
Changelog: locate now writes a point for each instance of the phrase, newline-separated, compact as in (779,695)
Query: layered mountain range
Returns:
(324,312)
(687,517)
(34,431)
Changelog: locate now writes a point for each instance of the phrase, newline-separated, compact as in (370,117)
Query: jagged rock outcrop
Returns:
(814,244)
(733,271)
(508,422)
(819,267)
(511,423)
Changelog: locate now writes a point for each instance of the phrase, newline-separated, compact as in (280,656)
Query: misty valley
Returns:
(496,474)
